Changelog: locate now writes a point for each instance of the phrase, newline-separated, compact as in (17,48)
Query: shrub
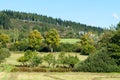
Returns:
(22,59)
(4,53)
(113,48)
(35,60)
(100,62)
(20,45)
(62,59)
(50,59)
(31,57)
(67,60)
(87,49)
(72,60)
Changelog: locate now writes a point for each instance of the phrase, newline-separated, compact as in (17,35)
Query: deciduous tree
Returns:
(35,39)
(52,38)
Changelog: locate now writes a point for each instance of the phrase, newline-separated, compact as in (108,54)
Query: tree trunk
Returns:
(51,50)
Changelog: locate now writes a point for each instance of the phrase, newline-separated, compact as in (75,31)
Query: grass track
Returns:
(59,76)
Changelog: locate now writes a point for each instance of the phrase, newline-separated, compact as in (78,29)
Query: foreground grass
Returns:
(59,76)
(53,75)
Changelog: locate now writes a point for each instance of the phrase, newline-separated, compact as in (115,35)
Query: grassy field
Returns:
(72,41)
(15,55)
(59,76)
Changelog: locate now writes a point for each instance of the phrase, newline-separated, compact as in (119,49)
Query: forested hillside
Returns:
(25,22)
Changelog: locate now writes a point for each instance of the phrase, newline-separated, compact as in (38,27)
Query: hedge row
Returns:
(27,69)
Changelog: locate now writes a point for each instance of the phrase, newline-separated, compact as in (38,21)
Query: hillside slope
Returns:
(25,22)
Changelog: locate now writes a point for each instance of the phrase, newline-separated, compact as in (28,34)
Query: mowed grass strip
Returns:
(60,76)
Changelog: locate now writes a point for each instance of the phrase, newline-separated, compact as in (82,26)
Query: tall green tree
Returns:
(52,38)
(35,39)
(5,21)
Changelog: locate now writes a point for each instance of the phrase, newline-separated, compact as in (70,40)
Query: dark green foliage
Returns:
(116,38)
(4,21)
(116,57)
(44,47)
(43,23)
(4,53)
(100,62)
(87,49)
(118,26)
(112,48)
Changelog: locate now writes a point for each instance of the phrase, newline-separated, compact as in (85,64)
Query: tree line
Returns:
(75,27)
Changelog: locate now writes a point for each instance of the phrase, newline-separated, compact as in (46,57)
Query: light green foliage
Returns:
(50,59)
(87,38)
(67,60)
(87,43)
(35,60)
(62,58)
(52,38)
(35,39)
(22,59)
(30,57)
(72,60)
(87,49)
(4,38)
(71,41)
(4,53)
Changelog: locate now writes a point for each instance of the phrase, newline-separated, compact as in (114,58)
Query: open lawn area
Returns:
(59,76)
(72,41)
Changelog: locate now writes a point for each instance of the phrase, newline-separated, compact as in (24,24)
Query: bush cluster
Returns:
(100,62)
(4,53)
